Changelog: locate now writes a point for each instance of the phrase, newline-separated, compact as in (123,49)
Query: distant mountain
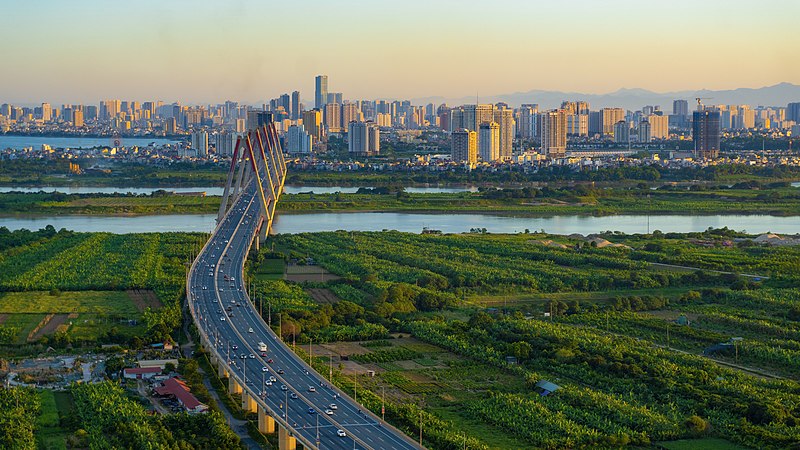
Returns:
(777,95)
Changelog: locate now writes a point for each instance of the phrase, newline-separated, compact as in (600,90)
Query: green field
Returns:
(49,434)
(701,444)
(96,302)
(270,269)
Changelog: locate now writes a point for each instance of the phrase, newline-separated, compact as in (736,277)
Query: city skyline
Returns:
(181,50)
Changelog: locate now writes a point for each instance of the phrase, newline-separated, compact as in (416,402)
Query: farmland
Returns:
(630,372)
(63,288)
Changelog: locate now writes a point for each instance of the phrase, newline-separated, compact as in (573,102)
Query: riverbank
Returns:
(527,202)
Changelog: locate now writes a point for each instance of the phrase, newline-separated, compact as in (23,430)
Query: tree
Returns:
(521,350)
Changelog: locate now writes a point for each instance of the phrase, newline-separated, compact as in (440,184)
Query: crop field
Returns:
(97,302)
(642,354)
(90,287)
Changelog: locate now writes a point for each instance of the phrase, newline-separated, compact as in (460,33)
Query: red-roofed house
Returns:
(174,387)
(140,373)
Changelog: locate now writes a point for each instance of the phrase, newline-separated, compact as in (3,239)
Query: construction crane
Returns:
(700,103)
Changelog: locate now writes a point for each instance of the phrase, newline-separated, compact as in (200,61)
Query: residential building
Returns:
(644,131)
(298,140)
(312,122)
(489,141)
(464,145)
(295,106)
(706,133)
(622,132)
(505,119)
(553,132)
(659,126)
(363,138)
(333,118)
(200,142)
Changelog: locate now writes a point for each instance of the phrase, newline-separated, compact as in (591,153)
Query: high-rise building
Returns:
(333,118)
(622,132)
(553,132)
(363,138)
(312,123)
(170,125)
(297,140)
(706,133)
(793,112)
(225,142)
(464,146)
(505,118)
(526,126)
(200,142)
(350,113)
(489,141)
(608,118)
(110,109)
(578,124)
(659,126)
(295,112)
(321,92)
(680,108)
(644,131)
(335,97)
(77,118)
(47,112)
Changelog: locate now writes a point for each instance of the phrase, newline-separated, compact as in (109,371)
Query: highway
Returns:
(299,397)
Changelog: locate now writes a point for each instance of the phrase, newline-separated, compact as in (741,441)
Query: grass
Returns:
(49,434)
(97,302)
(270,269)
(90,327)
(700,444)
(25,323)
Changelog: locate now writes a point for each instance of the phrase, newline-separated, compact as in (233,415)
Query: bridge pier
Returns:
(285,440)
(266,424)
(222,371)
(234,387)
(248,403)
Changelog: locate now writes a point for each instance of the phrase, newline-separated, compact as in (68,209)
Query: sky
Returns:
(208,51)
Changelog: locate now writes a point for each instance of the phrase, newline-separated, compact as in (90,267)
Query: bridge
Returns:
(289,397)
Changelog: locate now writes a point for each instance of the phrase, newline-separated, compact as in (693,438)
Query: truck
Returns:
(262,347)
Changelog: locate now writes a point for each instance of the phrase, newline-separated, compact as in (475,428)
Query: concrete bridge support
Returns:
(285,440)
(222,371)
(266,424)
(248,403)
(234,387)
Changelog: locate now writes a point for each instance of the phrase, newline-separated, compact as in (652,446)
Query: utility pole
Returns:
(309,350)
(383,403)
(330,368)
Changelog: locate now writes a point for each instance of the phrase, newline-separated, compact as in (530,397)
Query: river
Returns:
(414,222)
(20,142)
(218,190)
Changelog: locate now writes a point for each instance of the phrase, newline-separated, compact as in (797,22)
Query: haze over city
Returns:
(251,51)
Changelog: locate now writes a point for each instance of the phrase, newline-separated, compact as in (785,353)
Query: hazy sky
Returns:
(209,51)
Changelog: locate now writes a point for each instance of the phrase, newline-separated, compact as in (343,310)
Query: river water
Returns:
(414,222)
(218,190)
(20,142)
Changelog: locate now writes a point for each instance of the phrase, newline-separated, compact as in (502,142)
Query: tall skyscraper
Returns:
(200,142)
(526,126)
(706,134)
(77,118)
(608,118)
(312,122)
(489,141)
(505,118)
(363,138)
(464,146)
(680,107)
(644,131)
(333,118)
(47,112)
(297,140)
(295,112)
(793,112)
(553,132)
(321,91)
(350,113)
(224,143)
(622,132)
(659,126)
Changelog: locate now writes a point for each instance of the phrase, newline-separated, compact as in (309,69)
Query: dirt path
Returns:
(322,296)
(144,299)
(3,318)
(692,269)
(51,326)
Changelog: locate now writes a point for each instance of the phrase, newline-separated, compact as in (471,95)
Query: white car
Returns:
(312,389)
(284,388)
(222,318)
(341,433)
(250,331)
(268,383)
(273,379)
(333,406)
(265,369)
(329,412)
